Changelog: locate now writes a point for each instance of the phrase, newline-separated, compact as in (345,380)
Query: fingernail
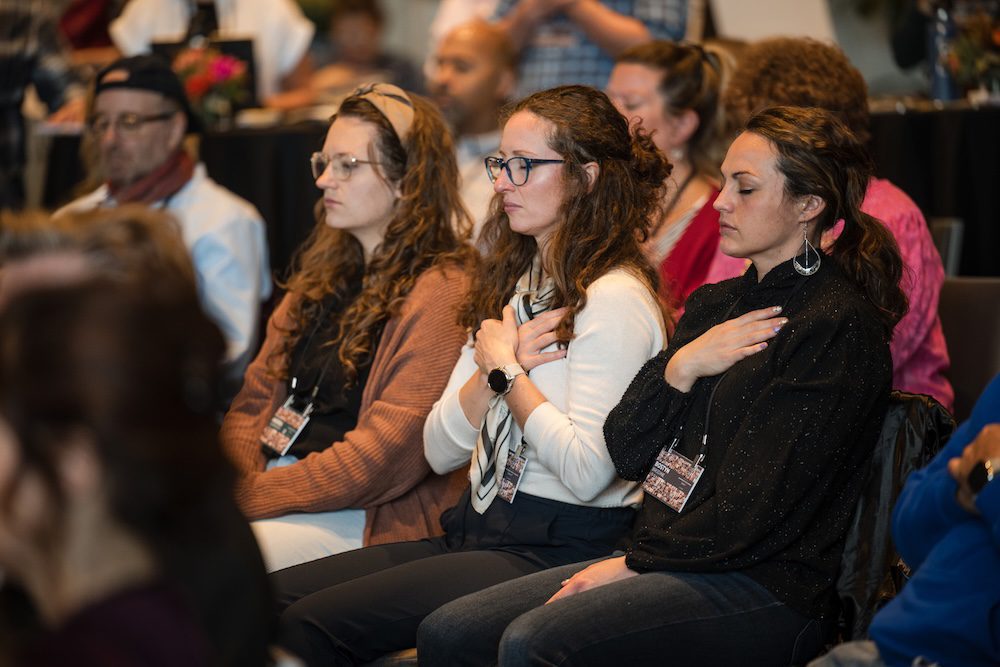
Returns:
(777,327)
(777,309)
(763,345)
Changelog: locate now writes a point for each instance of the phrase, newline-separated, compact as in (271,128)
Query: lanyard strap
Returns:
(305,349)
(703,450)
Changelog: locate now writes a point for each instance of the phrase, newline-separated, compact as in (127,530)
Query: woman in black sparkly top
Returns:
(751,432)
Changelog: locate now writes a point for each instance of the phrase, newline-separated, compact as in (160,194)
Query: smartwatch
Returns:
(982,474)
(501,379)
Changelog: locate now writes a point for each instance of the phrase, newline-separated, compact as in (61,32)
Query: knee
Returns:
(450,636)
(526,642)
(302,634)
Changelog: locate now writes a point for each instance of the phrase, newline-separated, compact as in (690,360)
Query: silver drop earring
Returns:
(804,267)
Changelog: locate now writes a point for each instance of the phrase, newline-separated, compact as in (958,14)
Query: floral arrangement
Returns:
(974,56)
(215,83)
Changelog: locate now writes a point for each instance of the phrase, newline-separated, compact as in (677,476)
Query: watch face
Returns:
(978,477)
(497,380)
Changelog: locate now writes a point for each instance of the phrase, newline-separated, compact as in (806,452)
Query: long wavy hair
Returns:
(690,78)
(603,224)
(818,155)
(429,228)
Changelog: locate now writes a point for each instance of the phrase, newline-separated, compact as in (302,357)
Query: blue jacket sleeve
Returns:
(927,509)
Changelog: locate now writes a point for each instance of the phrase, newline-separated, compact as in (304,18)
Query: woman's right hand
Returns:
(716,350)
(537,334)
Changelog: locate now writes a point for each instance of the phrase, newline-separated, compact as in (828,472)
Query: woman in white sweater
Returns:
(563,314)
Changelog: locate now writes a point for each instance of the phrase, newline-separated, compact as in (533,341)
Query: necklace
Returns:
(670,207)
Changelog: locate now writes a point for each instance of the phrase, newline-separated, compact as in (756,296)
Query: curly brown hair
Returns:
(797,72)
(818,155)
(690,78)
(603,224)
(429,228)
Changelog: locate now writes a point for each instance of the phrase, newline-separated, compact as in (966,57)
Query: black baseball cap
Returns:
(147,72)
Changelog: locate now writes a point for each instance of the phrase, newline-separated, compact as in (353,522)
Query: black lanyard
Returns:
(703,450)
(324,312)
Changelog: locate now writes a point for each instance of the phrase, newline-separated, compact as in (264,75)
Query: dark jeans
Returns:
(657,618)
(353,607)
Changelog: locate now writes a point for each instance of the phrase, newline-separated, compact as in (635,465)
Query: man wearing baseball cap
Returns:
(137,123)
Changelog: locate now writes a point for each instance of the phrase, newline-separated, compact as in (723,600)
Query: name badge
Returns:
(285,426)
(512,475)
(672,478)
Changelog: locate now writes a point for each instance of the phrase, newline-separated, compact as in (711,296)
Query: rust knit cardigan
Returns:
(379,465)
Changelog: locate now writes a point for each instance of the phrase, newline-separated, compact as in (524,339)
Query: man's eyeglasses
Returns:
(518,168)
(341,165)
(126,122)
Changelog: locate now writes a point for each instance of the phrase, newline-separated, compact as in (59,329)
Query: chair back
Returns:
(914,430)
(947,234)
(970,316)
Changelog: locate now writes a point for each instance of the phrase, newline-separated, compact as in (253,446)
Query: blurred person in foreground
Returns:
(804,72)
(117,519)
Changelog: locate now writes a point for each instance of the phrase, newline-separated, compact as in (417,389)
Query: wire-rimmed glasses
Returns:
(340,165)
(126,122)
(518,168)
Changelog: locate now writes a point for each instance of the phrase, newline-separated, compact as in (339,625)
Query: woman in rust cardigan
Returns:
(327,429)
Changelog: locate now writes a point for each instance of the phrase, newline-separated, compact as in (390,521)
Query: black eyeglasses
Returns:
(341,165)
(518,168)
(126,122)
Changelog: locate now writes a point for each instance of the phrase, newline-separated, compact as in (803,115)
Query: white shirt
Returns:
(476,189)
(619,329)
(226,238)
(280,32)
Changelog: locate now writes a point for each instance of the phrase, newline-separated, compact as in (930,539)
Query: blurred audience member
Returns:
(673,90)
(138,120)
(804,72)
(280,34)
(575,41)
(452,13)
(946,526)
(326,430)
(85,23)
(31,53)
(356,28)
(474,74)
(118,519)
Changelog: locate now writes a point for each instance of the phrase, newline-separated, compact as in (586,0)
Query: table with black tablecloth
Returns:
(947,160)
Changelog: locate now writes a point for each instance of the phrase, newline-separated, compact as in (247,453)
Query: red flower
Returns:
(197,85)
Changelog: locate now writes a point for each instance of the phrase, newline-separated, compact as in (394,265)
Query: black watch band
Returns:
(982,474)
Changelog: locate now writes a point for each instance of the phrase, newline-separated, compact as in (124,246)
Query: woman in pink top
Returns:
(673,91)
(804,72)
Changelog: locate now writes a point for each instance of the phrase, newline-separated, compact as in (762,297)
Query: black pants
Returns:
(353,607)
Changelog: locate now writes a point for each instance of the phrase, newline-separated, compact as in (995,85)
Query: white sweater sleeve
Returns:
(449,438)
(616,333)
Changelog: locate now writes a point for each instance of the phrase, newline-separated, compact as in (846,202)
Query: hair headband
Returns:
(392,102)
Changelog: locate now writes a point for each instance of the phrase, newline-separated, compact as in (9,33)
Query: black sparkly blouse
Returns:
(789,436)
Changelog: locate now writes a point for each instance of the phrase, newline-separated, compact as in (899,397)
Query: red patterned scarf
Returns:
(162,182)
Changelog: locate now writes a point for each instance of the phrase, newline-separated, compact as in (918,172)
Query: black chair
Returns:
(915,428)
(970,317)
